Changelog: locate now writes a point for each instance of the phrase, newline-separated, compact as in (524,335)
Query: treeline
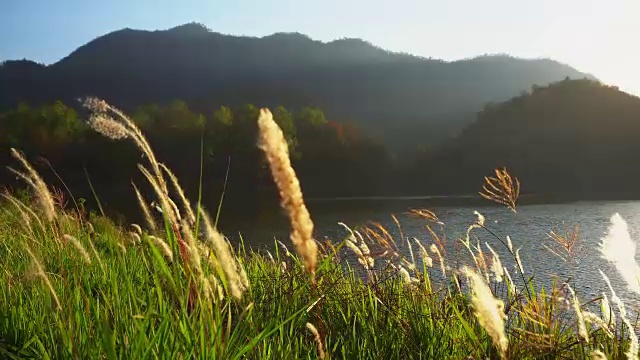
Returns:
(574,139)
(332,158)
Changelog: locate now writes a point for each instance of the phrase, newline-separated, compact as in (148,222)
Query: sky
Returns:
(598,37)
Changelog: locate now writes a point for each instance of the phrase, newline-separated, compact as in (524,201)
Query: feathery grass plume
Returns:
(356,250)
(185,202)
(145,209)
(488,310)
(26,212)
(424,255)
(42,274)
(618,248)
(481,261)
(426,214)
(632,353)
(598,355)
(513,290)
(35,181)
(214,286)
(168,207)
(607,313)
(275,147)
(271,257)
(413,259)
(481,218)
(100,107)
(566,245)
(137,229)
(316,337)
(594,319)
(225,258)
(366,252)
(165,249)
(509,244)
(83,252)
(435,250)
(192,247)
(478,224)
(496,265)
(502,188)
(359,248)
(519,262)
(106,126)
(405,276)
(135,238)
(582,327)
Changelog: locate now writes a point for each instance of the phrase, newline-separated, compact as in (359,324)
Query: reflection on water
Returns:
(528,229)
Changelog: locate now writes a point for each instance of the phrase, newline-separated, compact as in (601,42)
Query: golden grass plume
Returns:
(276,149)
(488,310)
(502,188)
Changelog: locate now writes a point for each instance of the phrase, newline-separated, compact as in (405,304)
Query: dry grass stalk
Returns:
(26,212)
(567,245)
(607,313)
(275,147)
(435,250)
(83,252)
(39,187)
(424,254)
(168,208)
(582,327)
(194,254)
(234,273)
(316,337)
(42,274)
(496,265)
(594,319)
(145,209)
(426,214)
(488,310)
(502,188)
(519,262)
(359,247)
(165,249)
(185,202)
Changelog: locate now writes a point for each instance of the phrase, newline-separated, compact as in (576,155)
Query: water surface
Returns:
(529,230)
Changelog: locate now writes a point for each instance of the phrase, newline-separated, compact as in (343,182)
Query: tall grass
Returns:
(76,286)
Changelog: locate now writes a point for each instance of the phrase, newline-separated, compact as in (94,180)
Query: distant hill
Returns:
(576,138)
(407,98)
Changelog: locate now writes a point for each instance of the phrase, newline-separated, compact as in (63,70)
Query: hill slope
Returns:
(573,137)
(407,97)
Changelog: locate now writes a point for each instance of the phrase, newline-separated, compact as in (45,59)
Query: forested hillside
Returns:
(576,138)
(411,100)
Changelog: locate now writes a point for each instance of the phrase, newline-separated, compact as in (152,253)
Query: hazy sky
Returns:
(599,37)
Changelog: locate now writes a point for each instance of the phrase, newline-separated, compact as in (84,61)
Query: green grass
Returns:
(135,305)
(75,286)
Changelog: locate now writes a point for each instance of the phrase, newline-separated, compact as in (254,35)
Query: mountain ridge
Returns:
(411,99)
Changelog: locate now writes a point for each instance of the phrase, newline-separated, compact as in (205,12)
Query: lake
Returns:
(528,229)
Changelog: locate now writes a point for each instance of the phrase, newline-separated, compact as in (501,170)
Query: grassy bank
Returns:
(76,286)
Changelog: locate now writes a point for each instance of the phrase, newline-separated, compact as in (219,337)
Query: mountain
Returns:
(574,138)
(407,98)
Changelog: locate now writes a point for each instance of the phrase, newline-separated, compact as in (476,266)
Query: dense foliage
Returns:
(333,159)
